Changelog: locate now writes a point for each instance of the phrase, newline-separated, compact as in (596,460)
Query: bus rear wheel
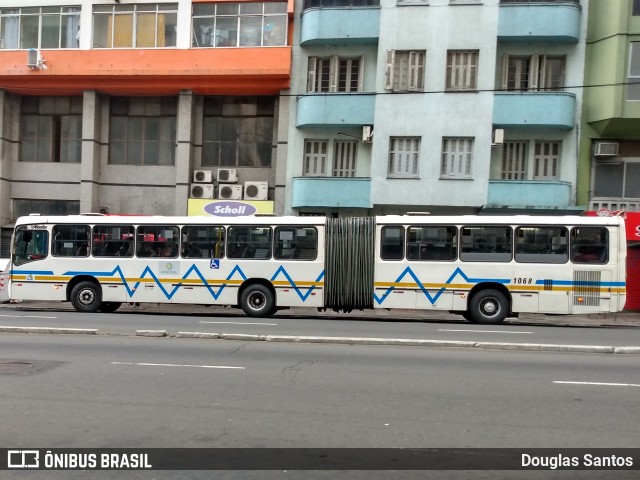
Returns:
(109,307)
(489,307)
(257,301)
(86,297)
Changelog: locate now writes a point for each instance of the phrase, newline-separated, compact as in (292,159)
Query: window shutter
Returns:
(535,74)
(311,74)
(416,69)
(334,69)
(505,72)
(361,74)
(388,70)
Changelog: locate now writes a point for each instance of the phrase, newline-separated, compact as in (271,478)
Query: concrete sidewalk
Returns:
(620,319)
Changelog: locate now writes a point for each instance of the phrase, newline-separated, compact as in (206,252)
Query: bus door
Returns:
(592,272)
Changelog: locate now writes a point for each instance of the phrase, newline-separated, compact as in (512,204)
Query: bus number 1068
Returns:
(523,281)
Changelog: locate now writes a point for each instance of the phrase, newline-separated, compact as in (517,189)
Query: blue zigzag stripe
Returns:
(117,272)
(433,299)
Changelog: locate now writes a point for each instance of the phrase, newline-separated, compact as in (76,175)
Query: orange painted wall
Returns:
(237,71)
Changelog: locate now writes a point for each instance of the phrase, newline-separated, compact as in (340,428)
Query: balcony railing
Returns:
(339,3)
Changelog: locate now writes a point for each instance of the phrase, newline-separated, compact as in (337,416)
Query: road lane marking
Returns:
(483,331)
(240,323)
(142,364)
(26,316)
(598,383)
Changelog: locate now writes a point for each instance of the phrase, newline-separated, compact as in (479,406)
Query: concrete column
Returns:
(184,151)
(9,116)
(280,157)
(90,162)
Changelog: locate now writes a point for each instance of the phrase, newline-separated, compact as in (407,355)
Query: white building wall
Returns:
(435,114)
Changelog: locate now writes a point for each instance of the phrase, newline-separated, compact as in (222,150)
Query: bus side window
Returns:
(589,245)
(392,243)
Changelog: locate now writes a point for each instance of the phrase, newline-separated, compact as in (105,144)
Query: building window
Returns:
(533,73)
(315,158)
(334,74)
(39,27)
(238,131)
(404,154)
(636,8)
(23,207)
(546,160)
(344,158)
(146,25)
(239,24)
(404,70)
(633,88)
(617,180)
(51,129)
(462,70)
(142,131)
(514,161)
(457,157)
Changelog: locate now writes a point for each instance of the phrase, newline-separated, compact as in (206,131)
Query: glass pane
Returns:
(275,30)
(250,31)
(608,180)
(70,31)
(50,31)
(151,156)
(101,31)
(632,180)
(29,31)
(226,32)
(167,26)
(486,244)
(589,245)
(146,30)
(541,245)
(432,243)
(117,153)
(392,243)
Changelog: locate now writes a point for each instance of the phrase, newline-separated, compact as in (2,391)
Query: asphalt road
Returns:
(113,391)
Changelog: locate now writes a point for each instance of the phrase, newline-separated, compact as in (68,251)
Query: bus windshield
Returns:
(29,245)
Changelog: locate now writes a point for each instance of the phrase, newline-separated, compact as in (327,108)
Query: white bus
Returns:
(484,268)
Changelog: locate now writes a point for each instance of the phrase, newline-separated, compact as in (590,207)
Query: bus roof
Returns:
(98,219)
(498,220)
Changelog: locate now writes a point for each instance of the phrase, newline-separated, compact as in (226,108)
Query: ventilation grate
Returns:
(586,286)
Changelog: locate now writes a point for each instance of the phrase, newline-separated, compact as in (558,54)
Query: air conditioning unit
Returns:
(605,149)
(201,190)
(367,133)
(256,190)
(227,175)
(202,176)
(229,192)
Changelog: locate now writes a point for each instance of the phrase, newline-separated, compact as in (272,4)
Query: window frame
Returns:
(541,253)
(462,70)
(452,162)
(551,159)
(423,249)
(404,163)
(332,68)
(293,251)
(405,70)
(64,12)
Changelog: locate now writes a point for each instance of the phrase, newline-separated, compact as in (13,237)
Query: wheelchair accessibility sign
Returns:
(215,263)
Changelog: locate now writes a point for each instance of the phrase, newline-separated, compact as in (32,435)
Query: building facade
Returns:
(457,106)
(609,166)
(136,107)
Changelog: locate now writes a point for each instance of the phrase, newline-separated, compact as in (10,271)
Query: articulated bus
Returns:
(484,268)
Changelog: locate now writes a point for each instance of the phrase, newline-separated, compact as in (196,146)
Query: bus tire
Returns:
(109,307)
(86,297)
(257,300)
(489,307)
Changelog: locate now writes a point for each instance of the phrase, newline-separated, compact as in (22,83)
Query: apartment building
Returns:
(456,106)
(141,107)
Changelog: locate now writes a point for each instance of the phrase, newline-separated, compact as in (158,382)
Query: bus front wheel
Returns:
(257,301)
(489,307)
(86,297)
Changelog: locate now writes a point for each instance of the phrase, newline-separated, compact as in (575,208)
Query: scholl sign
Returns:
(230,209)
